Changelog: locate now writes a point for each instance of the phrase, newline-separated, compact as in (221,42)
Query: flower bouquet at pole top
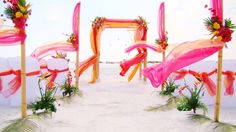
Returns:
(18,11)
(219,29)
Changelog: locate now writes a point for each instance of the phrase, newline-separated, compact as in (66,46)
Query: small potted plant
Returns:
(192,102)
(67,88)
(47,98)
(169,88)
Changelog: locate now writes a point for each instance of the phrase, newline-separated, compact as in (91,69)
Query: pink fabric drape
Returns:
(156,48)
(216,5)
(181,56)
(125,65)
(161,28)
(75,23)
(229,82)
(54,47)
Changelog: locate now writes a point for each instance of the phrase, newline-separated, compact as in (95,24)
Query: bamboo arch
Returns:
(101,23)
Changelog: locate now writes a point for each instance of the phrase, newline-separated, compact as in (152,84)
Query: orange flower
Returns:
(50,85)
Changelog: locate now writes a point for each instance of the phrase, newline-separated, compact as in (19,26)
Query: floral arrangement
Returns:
(193,102)
(47,99)
(72,38)
(162,43)
(219,29)
(67,87)
(61,55)
(18,11)
(98,22)
(141,22)
(169,88)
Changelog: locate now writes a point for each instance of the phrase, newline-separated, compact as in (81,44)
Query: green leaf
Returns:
(22,2)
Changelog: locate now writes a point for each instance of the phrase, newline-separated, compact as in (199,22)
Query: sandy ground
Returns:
(114,105)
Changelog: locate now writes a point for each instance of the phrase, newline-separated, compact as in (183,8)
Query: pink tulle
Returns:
(229,83)
(14,84)
(0,84)
(75,22)
(217,6)
(126,64)
(181,56)
(52,48)
(10,37)
(161,24)
(209,84)
(156,48)
(179,74)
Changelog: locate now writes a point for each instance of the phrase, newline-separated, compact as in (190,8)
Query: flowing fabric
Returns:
(178,75)
(15,83)
(51,49)
(1,85)
(75,23)
(181,56)
(216,5)
(10,37)
(126,64)
(55,72)
(61,46)
(161,28)
(229,82)
(156,48)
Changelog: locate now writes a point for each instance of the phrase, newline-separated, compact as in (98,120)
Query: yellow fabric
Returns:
(133,72)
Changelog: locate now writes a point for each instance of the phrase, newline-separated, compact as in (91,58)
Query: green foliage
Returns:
(229,24)
(47,100)
(169,88)
(22,2)
(21,125)
(170,104)
(208,22)
(68,89)
(193,102)
(10,12)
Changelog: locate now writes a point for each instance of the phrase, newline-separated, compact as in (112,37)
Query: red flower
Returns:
(225,33)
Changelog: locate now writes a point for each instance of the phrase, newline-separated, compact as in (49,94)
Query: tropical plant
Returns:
(47,99)
(169,88)
(67,89)
(193,102)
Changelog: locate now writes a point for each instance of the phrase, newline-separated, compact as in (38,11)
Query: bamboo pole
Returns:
(77,69)
(145,66)
(77,56)
(219,81)
(140,70)
(163,53)
(23,83)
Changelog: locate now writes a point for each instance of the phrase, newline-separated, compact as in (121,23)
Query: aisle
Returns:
(114,105)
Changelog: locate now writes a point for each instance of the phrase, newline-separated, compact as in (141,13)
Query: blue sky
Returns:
(184,22)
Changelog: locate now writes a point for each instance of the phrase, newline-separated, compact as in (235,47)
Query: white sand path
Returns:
(114,105)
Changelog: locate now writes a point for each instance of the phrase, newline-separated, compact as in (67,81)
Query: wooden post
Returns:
(145,66)
(77,55)
(163,57)
(219,81)
(77,69)
(140,70)
(23,83)
(163,53)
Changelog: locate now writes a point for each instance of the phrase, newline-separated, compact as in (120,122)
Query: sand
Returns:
(114,105)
